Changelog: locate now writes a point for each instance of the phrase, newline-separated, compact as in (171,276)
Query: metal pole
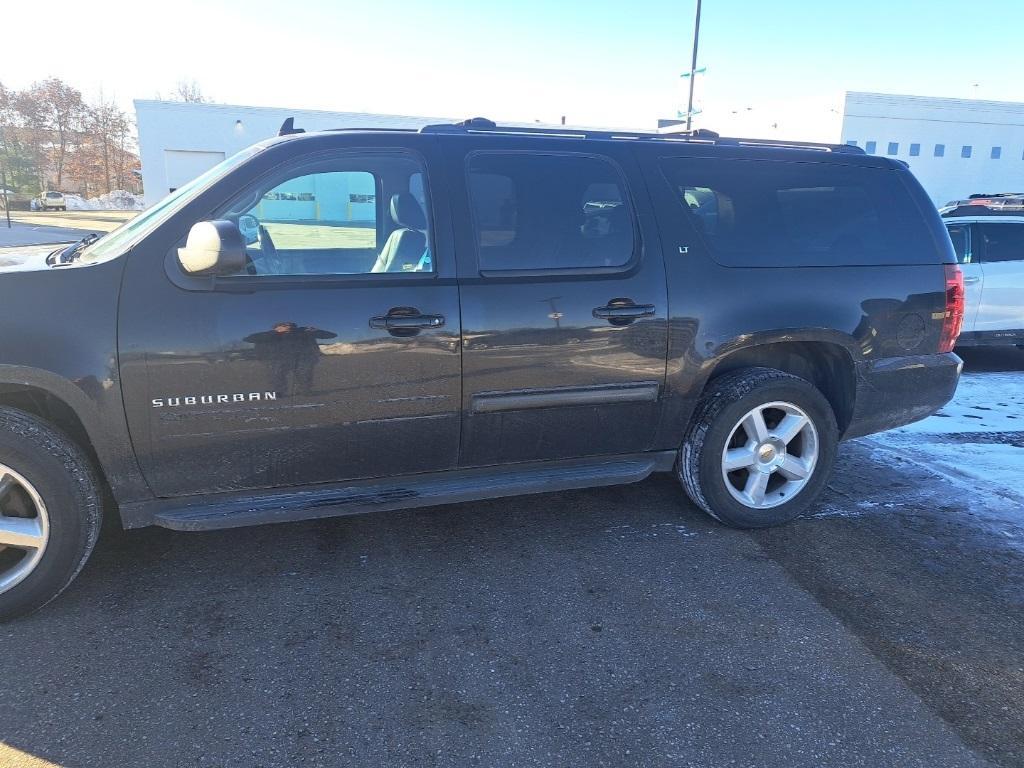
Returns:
(3,185)
(693,68)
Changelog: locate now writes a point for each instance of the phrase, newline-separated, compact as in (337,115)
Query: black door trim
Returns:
(518,399)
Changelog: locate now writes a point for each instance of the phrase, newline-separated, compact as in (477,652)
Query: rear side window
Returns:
(960,234)
(755,213)
(536,212)
(1003,242)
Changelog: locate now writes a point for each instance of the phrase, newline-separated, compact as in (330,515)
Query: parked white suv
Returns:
(53,201)
(990,249)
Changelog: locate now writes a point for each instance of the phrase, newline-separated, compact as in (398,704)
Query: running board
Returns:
(233,510)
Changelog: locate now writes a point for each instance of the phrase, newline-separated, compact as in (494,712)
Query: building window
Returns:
(869,147)
(894,148)
(940,150)
(965,151)
(997,152)
(915,150)
(851,143)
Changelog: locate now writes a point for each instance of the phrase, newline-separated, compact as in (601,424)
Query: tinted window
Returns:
(769,213)
(535,212)
(960,234)
(1003,242)
(349,216)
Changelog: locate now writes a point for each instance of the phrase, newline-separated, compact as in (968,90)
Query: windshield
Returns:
(131,232)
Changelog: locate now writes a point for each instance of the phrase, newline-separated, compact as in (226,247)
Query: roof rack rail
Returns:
(374,128)
(482,125)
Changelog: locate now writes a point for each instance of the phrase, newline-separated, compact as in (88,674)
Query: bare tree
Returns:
(106,127)
(57,108)
(188,90)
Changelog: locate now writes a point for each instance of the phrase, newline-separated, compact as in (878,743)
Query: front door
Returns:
(333,355)
(563,303)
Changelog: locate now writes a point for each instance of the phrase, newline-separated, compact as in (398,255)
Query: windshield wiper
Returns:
(71,252)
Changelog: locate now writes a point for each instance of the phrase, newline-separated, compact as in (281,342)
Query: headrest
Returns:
(406,211)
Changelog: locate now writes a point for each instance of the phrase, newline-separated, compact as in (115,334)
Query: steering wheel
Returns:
(269,262)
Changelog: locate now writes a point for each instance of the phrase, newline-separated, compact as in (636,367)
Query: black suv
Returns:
(339,322)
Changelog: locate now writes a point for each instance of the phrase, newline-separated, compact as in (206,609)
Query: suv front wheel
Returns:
(49,512)
(760,448)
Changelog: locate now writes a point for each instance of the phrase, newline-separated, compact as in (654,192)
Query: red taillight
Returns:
(953,319)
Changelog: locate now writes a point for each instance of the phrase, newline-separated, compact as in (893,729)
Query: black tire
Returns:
(64,479)
(724,403)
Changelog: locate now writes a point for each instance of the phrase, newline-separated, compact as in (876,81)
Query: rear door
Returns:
(563,300)
(1002,253)
(974,277)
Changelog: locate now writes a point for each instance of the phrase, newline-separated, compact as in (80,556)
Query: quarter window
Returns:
(537,212)
(348,216)
(1003,242)
(756,213)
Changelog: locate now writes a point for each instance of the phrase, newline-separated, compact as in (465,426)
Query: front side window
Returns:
(960,234)
(1003,242)
(351,215)
(540,212)
(760,213)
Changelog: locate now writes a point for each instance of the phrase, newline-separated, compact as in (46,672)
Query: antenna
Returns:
(288,127)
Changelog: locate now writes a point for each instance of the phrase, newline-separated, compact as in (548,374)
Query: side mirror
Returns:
(249,227)
(213,248)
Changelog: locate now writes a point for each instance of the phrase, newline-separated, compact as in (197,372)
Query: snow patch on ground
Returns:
(977,443)
(118,200)
(984,402)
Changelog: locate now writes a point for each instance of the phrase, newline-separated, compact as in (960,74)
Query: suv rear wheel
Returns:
(760,448)
(49,512)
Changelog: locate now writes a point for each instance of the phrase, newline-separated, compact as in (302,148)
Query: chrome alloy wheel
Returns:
(24,528)
(770,455)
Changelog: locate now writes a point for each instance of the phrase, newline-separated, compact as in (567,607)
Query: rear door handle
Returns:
(971,280)
(406,321)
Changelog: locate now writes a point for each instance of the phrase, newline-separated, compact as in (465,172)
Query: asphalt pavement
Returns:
(35,234)
(607,627)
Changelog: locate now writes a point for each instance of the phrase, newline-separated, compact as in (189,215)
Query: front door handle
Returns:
(406,321)
(623,311)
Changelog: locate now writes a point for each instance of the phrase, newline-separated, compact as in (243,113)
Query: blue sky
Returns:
(777,67)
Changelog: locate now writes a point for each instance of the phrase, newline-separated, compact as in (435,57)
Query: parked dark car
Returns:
(462,312)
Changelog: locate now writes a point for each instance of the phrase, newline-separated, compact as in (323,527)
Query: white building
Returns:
(180,140)
(955,147)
